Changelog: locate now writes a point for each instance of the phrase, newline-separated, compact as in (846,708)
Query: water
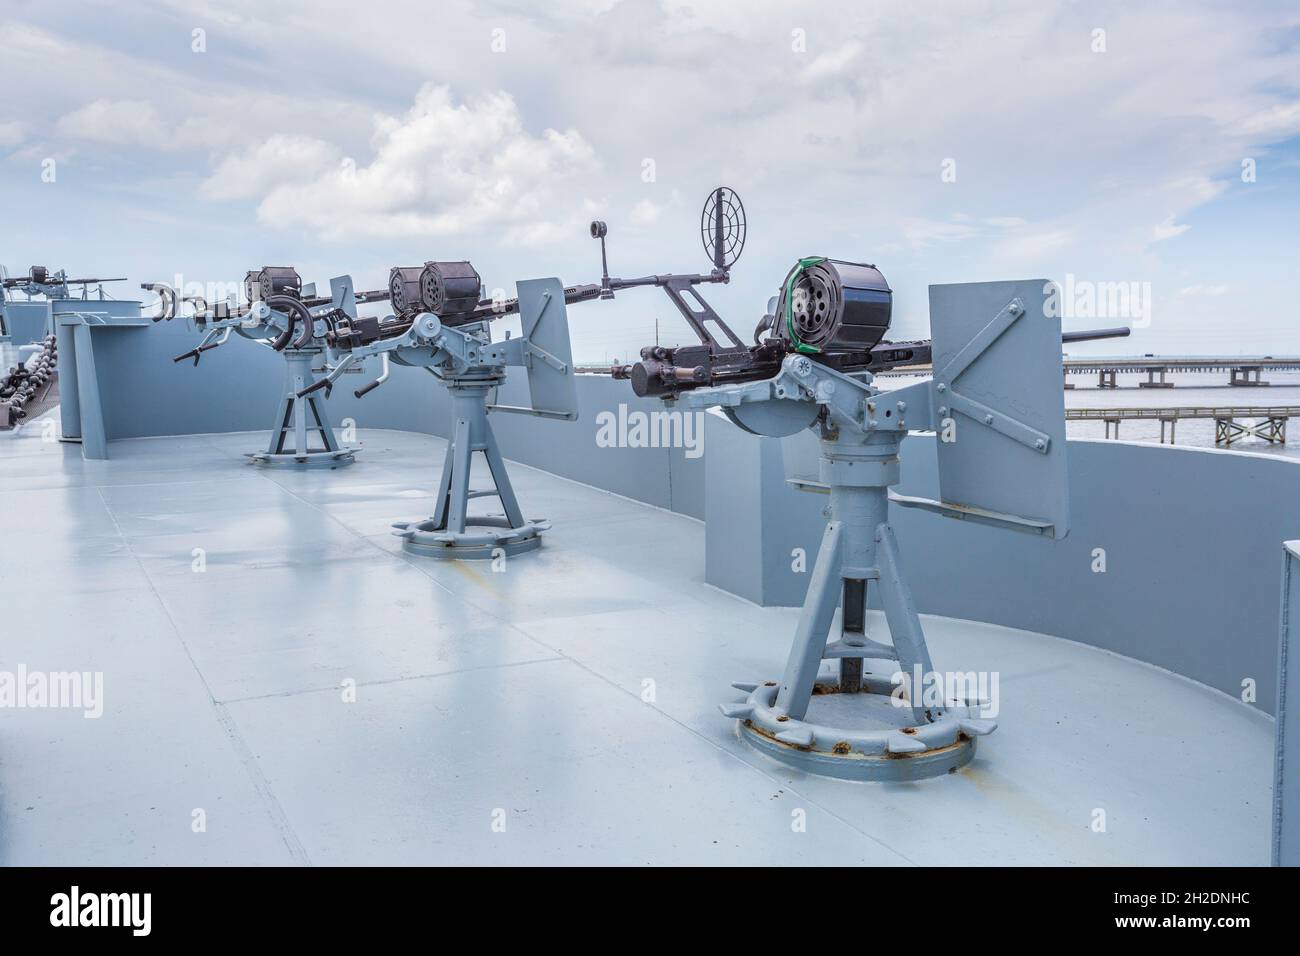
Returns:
(1190,388)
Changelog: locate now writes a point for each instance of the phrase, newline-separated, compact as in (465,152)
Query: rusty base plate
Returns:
(872,739)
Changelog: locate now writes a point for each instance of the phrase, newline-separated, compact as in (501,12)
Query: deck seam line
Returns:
(389,680)
(261,785)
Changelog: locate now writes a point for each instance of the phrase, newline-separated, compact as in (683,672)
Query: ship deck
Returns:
(560,711)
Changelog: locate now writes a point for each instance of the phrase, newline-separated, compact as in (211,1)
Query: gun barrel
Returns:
(1089,335)
(496,308)
(18,281)
(667,371)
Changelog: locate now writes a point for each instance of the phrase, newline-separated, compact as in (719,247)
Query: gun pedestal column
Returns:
(848,722)
(452,532)
(461,355)
(299,418)
(995,402)
(997,384)
(857,475)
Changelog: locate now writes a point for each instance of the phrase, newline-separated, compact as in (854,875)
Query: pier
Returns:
(1243,370)
(1231,422)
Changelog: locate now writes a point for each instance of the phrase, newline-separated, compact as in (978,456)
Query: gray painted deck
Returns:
(517,695)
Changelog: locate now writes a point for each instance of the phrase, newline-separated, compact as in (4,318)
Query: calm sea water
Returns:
(1190,388)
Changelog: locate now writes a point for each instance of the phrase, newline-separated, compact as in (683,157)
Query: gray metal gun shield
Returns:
(342,295)
(997,376)
(548,354)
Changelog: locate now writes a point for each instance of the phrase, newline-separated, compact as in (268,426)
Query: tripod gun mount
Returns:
(441,323)
(289,318)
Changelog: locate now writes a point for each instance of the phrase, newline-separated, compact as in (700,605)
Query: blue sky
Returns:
(340,137)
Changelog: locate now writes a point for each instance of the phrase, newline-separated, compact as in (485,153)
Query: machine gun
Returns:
(834,311)
(291,319)
(450,289)
(281,312)
(41,281)
(994,398)
(441,323)
(53,285)
(437,288)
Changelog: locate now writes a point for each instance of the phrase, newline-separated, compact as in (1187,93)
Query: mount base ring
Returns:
(484,537)
(312,459)
(905,753)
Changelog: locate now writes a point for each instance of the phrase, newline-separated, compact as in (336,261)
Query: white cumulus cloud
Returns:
(260,168)
(441,168)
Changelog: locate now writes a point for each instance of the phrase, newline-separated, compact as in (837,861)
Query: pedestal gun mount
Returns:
(291,319)
(456,347)
(995,402)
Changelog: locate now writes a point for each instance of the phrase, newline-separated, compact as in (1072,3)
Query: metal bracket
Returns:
(997,519)
(545,356)
(947,397)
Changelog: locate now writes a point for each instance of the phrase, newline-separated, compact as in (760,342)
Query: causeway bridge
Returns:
(1231,422)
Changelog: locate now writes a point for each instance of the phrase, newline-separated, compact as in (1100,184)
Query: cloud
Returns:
(1009,237)
(1028,244)
(644,213)
(833,63)
(1083,162)
(920,233)
(11,134)
(1168,229)
(1274,122)
(260,168)
(441,168)
(121,122)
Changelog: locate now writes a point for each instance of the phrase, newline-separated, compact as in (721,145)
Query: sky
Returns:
(1144,156)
